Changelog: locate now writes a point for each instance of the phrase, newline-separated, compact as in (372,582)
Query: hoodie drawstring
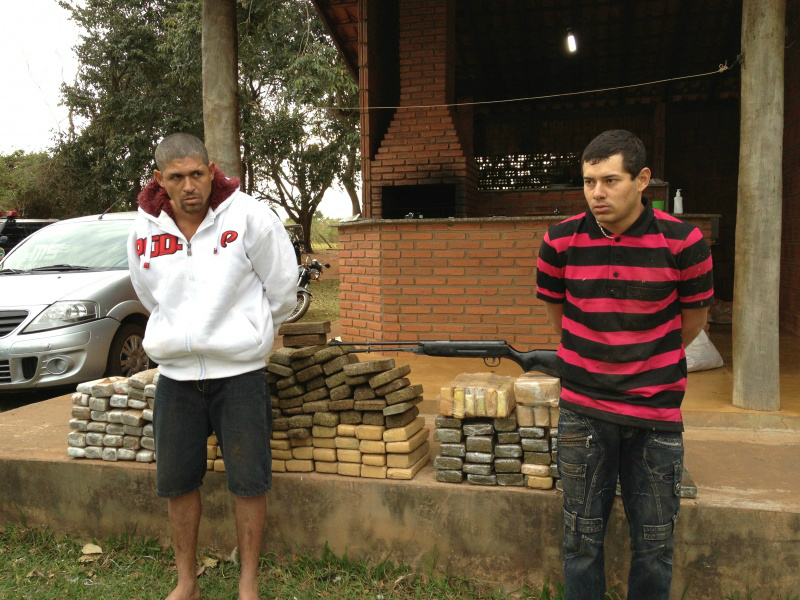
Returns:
(220,220)
(148,244)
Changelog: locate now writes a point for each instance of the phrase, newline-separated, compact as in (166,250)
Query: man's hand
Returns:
(694,319)
(554,313)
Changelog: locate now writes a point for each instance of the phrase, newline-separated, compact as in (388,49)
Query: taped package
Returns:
(478,395)
(537,390)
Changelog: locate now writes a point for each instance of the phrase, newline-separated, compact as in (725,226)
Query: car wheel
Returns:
(126,356)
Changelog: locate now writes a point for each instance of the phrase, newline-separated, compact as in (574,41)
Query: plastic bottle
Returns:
(677,203)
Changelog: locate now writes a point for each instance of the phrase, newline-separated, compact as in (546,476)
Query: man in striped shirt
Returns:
(628,288)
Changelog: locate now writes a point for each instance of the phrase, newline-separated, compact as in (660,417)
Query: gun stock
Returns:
(490,351)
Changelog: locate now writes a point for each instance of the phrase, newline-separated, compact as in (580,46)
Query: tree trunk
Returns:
(355,201)
(306,217)
(220,85)
(756,374)
(137,189)
(348,181)
(247,169)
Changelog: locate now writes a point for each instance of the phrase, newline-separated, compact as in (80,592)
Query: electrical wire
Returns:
(721,69)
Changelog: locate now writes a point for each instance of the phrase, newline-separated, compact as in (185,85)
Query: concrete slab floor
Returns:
(743,462)
(736,457)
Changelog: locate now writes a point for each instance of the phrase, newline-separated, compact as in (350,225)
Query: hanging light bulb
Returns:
(572,44)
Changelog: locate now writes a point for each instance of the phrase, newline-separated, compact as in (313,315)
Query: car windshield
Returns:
(84,244)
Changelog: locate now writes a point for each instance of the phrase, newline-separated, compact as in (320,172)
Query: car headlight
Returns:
(63,314)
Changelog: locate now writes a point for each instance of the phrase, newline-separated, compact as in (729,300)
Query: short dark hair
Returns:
(617,141)
(179,145)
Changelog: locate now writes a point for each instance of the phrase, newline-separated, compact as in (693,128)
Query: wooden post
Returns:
(756,374)
(220,86)
(364,101)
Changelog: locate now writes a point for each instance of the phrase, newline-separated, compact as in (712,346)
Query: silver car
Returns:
(68,311)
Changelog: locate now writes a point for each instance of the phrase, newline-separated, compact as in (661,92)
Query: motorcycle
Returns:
(309,270)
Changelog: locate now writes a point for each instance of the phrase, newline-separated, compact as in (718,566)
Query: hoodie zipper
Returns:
(191,282)
(201,361)
(178,233)
(189,332)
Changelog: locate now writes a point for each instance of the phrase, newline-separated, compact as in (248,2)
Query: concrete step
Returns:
(749,420)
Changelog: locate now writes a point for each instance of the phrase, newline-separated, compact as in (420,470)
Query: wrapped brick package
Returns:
(495,430)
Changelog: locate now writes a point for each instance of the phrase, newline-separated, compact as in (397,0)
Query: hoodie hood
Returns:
(153,198)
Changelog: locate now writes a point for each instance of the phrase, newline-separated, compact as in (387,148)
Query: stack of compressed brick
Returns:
(214,455)
(511,450)
(348,455)
(537,408)
(112,419)
(372,450)
(407,449)
(486,451)
(335,414)
(323,436)
(301,376)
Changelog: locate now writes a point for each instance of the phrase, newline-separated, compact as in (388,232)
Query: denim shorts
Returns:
(237,409)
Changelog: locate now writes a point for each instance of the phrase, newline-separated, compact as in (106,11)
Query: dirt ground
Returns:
(328,256)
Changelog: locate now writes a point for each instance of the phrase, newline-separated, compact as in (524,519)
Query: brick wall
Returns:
(422,145)
(435,279)
(439,279)
(790,241)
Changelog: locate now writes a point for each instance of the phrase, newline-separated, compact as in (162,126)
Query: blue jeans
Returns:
(591,454)
(237,409)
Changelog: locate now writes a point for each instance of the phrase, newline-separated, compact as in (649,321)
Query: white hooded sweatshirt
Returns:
(215,300)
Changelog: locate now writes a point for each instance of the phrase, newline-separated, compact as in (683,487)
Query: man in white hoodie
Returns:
(216,270)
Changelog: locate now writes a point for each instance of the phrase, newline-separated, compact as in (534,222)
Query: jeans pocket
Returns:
(664,460)
(657,533)
(573,544)
(573,479)
(581,534)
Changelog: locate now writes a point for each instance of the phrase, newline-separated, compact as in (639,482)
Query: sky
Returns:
(37,57)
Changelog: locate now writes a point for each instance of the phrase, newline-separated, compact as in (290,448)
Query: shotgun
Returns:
(490,351)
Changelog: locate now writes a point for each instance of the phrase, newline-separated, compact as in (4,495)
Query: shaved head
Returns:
(177,146)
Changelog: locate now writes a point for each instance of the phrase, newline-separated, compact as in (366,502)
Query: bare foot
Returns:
(248,590)
(185,592)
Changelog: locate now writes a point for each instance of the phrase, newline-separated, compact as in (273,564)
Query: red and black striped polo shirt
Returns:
(621,356)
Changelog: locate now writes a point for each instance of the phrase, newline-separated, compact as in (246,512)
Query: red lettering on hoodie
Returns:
(228,237)
(161,245)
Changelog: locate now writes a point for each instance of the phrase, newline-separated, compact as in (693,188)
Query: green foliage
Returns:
(296,146)
(18,172)
(140,78)
(324,231)
(41,186)
(128,93)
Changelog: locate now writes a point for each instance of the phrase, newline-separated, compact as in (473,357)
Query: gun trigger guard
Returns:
(491,361)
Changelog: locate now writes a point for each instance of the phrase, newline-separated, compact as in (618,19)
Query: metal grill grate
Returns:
(5,371)
(10,320)
(526,171)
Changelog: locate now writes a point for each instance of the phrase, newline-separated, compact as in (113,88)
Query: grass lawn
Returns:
(38,564)
(324,300)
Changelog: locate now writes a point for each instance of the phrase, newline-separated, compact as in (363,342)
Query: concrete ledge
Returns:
(507,535)
(742,420)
